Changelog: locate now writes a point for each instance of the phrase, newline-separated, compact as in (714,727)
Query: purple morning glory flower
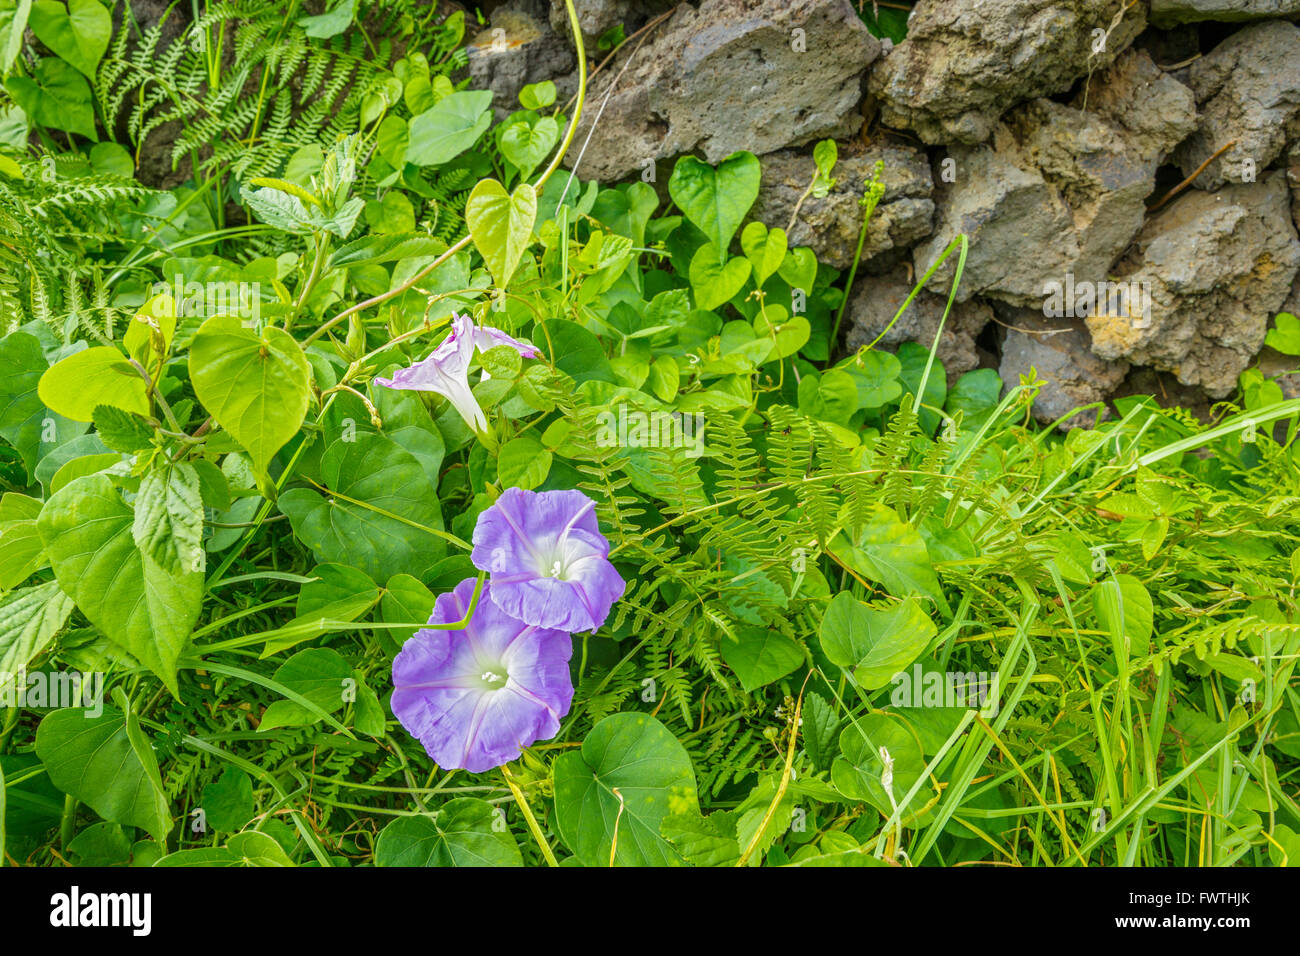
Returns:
(446,370)
(476,697)
(548,560)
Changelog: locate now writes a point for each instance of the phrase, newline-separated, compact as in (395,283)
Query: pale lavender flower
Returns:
(548,560)
(476,697)
(446,370)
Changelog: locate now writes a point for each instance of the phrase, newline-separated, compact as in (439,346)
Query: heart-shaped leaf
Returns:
(716,199)
(760,655)
(799,268)
(464,833)
(55,96)
(630,774)
(78,32)
(764,248)
(380,497)
(527,144)
(501,225)
(105,766)
(857,773)
(788,333)
(257,387)
(874,644)
(451,126)
(25,420)
(886,549)
(713,281)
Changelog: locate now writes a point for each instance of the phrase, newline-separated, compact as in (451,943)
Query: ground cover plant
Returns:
(380,493)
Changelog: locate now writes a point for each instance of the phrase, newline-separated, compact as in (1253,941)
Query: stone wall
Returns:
(1058,135)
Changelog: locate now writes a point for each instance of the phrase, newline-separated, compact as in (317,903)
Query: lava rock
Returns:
(1215,267)
(1248,90)
(830,226)
(966,62)
(1166,13)
(1059,192)
(1056,352)
(757,75)
(875,300)
(517,48)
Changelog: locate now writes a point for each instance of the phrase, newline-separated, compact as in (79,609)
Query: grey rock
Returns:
(1168,12)
(830,226)
(518,48)
(1293,175)
(1248,90)
(1018,227)
(1214,267)
(875,301)
(596,17)
(1059,192)
(966,62)
(1156,110)
(727,77)
(1057,351)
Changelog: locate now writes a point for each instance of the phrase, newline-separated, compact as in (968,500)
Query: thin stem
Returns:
(528,815)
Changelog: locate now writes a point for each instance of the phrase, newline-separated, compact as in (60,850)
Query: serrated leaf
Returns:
(29,619)
(168,525)
(86,529)
(121,430)
(818,731)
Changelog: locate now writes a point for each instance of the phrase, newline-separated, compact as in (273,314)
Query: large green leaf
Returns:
(55,96)
(1124,608)
(168,524)
(257,387)
(78,32)
(886,549)
(228,800)
(451,126)
(21,553)
(858,772)
(380,501)
(760,655)
(86,528)
(639,758)
(874,644)
(713,281)
(526,144)
(764,248)
(319,674)
(575,351)
(716,199)
(96,760)
(501,224)
(465,832)
(29,619)
(13,24)
(102,375)
(25,422)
